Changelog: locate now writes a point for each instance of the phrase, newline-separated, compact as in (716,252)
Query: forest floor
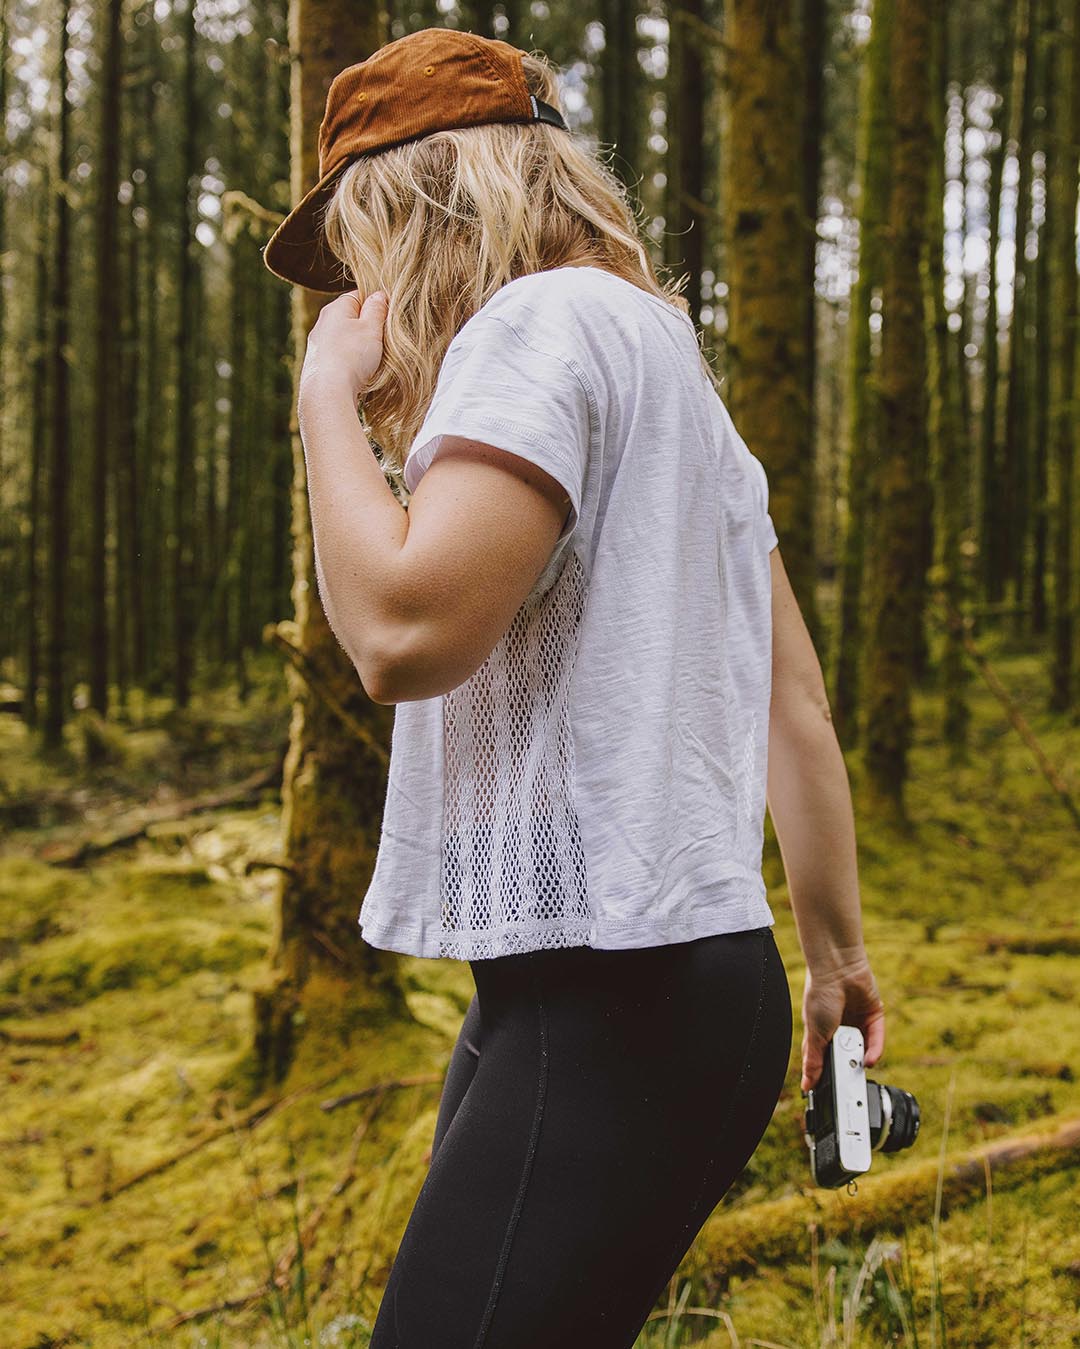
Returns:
(143,1204)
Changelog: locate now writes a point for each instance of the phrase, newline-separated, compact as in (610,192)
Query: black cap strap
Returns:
(544,112)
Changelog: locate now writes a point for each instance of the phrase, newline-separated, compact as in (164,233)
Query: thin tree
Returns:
(946,424)
(188,280)
(896,559)
(1065,407)
(39,447)
(1044,318)
(107,371)
(60,447)
(686,214)
(989,507)
(873,155)
(5,588)
(620,89)
(1016,447)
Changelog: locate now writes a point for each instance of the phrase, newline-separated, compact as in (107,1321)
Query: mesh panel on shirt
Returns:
(513,868)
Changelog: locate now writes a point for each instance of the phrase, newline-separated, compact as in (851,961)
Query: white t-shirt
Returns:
(600,779)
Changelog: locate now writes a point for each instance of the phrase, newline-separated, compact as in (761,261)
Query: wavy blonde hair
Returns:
(442,222)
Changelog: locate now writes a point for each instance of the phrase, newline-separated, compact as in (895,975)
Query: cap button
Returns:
(429,70)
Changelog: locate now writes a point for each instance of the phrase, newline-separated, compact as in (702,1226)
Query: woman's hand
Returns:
(345,344)
(843,996)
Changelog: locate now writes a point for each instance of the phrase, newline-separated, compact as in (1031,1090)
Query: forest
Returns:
(218,1099)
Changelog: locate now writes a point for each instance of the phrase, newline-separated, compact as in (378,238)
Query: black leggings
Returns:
(597,1106)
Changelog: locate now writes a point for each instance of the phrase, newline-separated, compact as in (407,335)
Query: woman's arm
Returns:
(416,599)
(809,800)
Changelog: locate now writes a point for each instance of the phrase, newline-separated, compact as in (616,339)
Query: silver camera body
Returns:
(848,1118)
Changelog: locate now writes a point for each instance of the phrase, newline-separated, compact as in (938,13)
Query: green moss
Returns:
(127,993)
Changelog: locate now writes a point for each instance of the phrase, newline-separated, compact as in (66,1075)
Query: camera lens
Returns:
(901,1110)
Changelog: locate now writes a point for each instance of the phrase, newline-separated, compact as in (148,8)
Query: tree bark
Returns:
(322,974)
(1061,172)
(946,428)
(60,457)
(107,368)
(874,152)
(897,580)
(766,241)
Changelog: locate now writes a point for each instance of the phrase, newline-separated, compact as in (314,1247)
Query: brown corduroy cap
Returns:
(430,80)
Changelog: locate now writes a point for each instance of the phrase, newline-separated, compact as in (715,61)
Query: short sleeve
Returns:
(770,532)
(497,387)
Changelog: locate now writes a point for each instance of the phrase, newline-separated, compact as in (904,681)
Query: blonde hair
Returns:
(442,222)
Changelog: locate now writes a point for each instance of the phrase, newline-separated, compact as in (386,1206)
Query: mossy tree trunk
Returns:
(874,149)
(897,582)
(766,241)
(1061,172)
(946,426)
(988,506)
(324,980)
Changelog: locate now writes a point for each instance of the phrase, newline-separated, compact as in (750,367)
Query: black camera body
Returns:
(848,1118)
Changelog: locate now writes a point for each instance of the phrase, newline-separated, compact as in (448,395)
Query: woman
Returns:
(599,669)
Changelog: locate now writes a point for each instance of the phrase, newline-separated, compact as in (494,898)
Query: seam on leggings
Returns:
(526,1172)
(737,1089)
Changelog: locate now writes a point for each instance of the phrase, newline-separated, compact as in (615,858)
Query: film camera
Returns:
(848,1117)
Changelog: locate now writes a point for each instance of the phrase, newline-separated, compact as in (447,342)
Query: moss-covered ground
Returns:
(141,1205)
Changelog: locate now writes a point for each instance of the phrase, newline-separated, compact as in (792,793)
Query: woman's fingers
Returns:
(874,1035)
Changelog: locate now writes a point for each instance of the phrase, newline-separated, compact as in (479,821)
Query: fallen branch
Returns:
(737,1241)
(255,1115)
(247,792)
(379,1088)
(284,1263)
(17,1037)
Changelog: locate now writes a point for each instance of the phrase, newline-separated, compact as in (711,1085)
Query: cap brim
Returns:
(297,249)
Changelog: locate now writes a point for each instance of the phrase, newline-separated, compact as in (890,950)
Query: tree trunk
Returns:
(989,506)
(620,83)
(1061,172)
(60,461)
(685,219)
(322,974)
(187,349)
(1016,447)
(766,240)
(107,367)
(39,433)
(814,45)
(1045,320)
(875,125)
(946,429)
(897,581)
(9,538)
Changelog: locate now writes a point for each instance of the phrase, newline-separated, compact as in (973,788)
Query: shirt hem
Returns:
(404,939)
